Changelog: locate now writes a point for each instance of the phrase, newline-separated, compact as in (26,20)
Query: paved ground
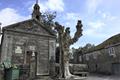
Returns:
(102,77)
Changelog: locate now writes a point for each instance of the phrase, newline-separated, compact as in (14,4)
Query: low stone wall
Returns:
(74,68)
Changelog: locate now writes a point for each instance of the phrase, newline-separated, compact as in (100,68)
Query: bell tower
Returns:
(36,14)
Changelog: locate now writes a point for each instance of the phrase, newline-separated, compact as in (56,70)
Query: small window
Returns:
(80,58)
(111,51)
(87,57)
(95,54)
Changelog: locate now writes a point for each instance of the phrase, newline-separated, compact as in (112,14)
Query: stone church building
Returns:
(29,45)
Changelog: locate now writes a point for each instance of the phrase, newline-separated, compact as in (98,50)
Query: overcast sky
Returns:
(100,18)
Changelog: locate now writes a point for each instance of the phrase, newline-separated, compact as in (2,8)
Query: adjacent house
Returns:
(104,58)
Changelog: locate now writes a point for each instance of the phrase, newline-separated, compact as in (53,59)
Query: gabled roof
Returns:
(30,20)
(111,41)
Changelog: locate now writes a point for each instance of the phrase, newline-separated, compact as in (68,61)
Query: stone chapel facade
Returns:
(29,45)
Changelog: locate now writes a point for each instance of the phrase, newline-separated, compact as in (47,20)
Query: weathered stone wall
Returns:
(15,45)
(31,46)
(102,60)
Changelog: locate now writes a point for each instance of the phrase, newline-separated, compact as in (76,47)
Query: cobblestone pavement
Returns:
(102,77)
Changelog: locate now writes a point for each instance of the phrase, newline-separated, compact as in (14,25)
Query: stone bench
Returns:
(81,73)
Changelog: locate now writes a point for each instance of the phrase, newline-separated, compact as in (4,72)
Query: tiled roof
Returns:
(112,41)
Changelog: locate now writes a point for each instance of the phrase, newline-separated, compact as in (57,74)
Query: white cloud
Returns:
(102,27)
(70,20)
(96,25)
(92,5)
(93,33)
(107,15)
(72,16)
(53,5)
(57,5)
(95,29)
(10,16)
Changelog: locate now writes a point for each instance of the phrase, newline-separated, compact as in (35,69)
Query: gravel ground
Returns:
(102,77)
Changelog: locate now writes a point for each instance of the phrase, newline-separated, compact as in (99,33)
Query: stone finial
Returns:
(36,14)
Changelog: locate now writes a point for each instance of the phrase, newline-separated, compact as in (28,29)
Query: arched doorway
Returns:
(30,58)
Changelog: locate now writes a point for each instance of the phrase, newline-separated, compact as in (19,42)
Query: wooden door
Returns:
(31,61)
(28,57)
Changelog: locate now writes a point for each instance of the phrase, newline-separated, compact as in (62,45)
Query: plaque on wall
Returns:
(18,49)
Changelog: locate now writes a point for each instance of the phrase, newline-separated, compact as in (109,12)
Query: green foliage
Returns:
(87,47)
(7,64)
(48,18)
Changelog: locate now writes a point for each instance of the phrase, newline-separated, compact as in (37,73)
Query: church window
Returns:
(37,17)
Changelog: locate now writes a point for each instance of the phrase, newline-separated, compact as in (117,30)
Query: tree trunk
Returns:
(67,71)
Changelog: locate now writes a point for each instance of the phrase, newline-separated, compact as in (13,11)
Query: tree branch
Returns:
(78,33)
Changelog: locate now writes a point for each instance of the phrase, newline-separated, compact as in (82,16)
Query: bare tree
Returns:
(65,41)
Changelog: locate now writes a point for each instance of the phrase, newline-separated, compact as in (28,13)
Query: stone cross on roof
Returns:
(36,1)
